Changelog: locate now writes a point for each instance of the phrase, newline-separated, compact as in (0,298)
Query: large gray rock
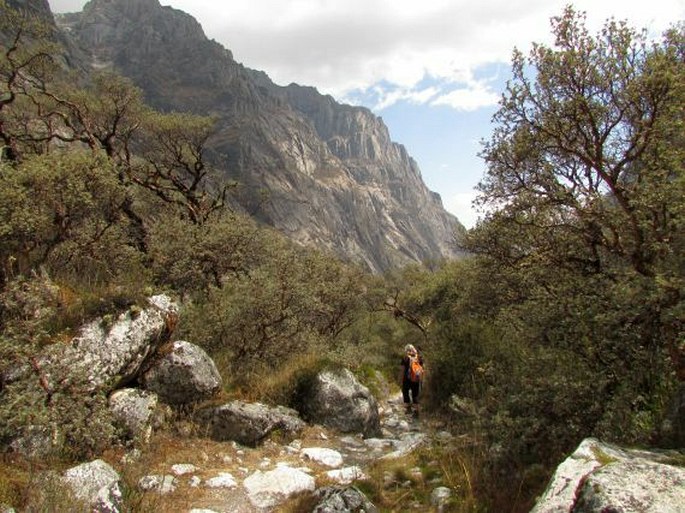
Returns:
(336,399)
(133,410)
(342,500)
(96,484)
(185,374)
(249,423)
(600,478)
(269,489)
(107,353)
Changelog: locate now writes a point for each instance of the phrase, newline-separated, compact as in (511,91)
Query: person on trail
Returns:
(411,377)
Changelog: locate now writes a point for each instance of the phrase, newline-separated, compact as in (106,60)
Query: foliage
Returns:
(291,303)
(195,258)
(567,320)
(27,64)
(63,211)
(582,156)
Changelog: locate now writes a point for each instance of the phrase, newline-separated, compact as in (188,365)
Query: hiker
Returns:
(410,379)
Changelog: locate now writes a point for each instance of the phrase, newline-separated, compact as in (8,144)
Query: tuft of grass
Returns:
(283,384)
(396,486)
(13,483)
(602,457)
(79,306)
(302,503)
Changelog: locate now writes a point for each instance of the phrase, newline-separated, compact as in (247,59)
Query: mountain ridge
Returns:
(332,174)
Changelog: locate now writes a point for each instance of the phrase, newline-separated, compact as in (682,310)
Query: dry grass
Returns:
(33,485)
(14,478)
(280,385)
(398,486)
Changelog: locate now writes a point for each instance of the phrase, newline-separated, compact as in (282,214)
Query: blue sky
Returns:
(432,69)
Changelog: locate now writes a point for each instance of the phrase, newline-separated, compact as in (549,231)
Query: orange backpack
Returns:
(415,369)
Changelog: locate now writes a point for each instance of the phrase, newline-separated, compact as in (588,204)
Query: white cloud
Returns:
(459,204)
(470,98)
(340,47)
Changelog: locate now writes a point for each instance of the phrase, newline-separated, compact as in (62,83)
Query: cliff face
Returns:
(323,173)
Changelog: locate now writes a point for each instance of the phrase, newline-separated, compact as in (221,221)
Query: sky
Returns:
(434,70)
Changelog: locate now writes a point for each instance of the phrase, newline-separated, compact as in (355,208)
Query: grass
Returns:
(405,484)
(32,486)
(14,479)
(602,458)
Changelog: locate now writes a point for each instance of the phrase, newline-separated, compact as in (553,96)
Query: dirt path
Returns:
(203,476)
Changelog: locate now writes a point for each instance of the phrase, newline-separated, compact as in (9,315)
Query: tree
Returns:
(588,148)
(173,147)
(26,64)
(586,190)
(107,114)
(63,211)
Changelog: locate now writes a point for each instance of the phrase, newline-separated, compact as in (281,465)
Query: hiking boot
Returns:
(407,410)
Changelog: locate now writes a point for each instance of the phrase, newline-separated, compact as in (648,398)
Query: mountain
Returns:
(323,173)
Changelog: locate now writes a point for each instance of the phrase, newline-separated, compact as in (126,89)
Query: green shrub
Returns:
(198,257)
(64,212)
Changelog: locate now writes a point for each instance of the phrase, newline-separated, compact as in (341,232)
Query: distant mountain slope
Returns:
(321,172)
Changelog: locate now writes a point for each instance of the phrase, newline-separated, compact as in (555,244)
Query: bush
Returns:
(289,301)
(63,211)
(194,258)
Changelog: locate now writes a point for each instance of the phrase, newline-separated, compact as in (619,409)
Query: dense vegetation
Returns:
(566,321)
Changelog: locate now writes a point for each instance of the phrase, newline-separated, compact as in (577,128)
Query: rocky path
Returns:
(207,476)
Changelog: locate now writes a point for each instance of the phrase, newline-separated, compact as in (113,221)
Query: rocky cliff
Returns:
(323,173)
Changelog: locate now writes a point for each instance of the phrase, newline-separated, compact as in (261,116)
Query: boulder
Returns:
(323,456)
(349,499)
(599,477)
(346,475)
(183,375)
(269,489)
(96,484)
(107,353)
(132,410)
(249,423)
(337,400)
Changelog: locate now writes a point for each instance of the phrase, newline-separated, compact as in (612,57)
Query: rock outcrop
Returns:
(96,484)
(268,489)
(336,399)
(332,175)
(133,411)
(183,374)
(249,423)
(598,478)
(107,354)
